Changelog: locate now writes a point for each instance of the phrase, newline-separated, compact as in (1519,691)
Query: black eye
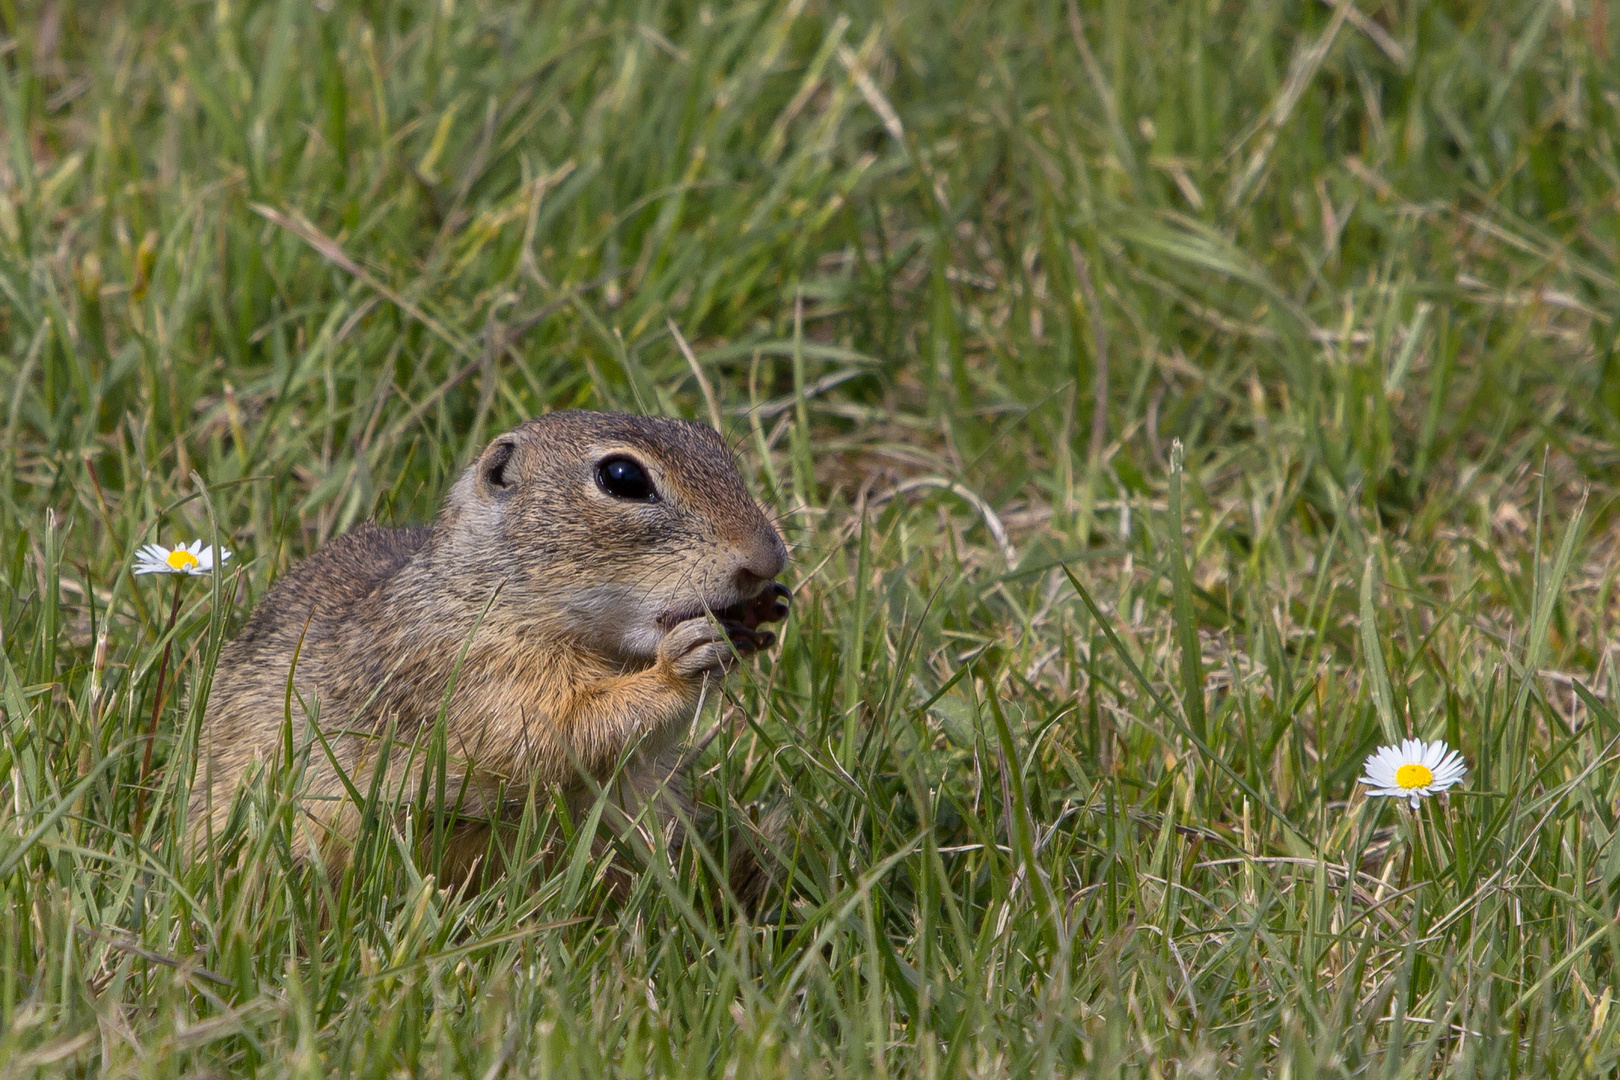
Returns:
(624,478)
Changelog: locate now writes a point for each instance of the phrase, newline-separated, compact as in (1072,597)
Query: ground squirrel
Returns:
(601,571)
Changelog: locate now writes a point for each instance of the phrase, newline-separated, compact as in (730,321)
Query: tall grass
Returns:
(1167,403)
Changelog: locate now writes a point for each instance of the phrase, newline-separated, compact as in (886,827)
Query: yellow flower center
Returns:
(182,559)
(1413,776)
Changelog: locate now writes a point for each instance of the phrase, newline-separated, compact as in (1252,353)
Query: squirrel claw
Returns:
(746,639)
(771,605)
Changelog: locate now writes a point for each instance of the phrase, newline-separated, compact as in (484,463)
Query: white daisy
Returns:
(195,559)
(1413,770)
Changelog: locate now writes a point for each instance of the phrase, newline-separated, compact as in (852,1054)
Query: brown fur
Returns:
(585,619)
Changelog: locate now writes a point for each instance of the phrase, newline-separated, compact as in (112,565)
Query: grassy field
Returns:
(1167,404)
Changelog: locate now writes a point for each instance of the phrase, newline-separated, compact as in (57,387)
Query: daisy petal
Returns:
(196,559)
(1413,770)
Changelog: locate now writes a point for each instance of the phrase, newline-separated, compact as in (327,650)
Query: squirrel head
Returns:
(608,528)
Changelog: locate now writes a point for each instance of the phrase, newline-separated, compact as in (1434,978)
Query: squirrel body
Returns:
(585,582)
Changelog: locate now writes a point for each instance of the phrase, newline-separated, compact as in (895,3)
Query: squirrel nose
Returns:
(766,558)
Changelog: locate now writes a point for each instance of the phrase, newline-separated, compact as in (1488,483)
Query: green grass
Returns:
(959,279)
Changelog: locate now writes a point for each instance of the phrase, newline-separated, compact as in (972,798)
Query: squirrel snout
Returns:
(765,559)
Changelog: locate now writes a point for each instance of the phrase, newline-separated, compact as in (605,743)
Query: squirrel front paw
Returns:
(705,646)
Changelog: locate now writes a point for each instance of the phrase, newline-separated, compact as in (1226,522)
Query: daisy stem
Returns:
(157,710)
(1420,861)
(1433,853)
(1406,865)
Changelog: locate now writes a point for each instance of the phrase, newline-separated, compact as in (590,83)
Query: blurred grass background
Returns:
(959,278)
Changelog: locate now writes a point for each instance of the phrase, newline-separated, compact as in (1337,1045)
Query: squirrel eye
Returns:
(624,478)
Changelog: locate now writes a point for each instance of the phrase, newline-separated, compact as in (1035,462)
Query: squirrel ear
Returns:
(493,467)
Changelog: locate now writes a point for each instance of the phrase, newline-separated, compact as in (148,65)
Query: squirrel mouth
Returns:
(742,619)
